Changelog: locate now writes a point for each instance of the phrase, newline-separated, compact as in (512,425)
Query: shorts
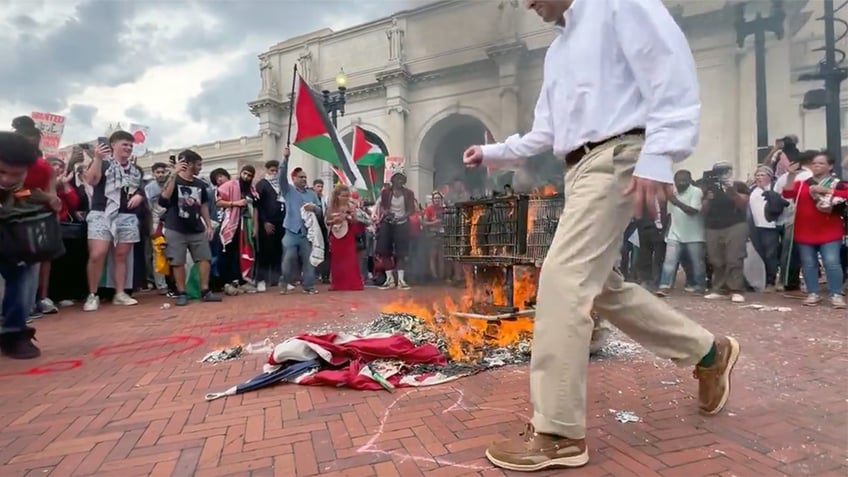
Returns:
(178,244)
(100,227)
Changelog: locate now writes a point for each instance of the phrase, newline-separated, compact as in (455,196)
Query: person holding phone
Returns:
(112,221)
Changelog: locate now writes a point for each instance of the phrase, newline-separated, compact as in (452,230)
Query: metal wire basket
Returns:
(487,232)
(543,215)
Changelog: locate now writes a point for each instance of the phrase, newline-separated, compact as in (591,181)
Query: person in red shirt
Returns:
(818,227)
(40,176)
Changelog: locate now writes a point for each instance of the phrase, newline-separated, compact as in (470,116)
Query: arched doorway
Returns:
(373,175)
(442,147)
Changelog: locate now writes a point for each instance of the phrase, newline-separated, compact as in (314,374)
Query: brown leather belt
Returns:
(576,155)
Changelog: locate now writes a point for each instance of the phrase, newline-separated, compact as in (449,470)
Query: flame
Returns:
(476,213)
(485,293)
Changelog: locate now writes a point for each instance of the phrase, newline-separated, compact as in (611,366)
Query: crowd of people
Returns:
(121,229)
(795,222)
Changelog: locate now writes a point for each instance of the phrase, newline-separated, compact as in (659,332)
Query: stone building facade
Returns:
(427,82)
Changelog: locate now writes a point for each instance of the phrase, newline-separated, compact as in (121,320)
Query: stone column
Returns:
(395,81)
(508,57)
(270,144)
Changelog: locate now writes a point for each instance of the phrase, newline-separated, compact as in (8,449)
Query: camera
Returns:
(790,148)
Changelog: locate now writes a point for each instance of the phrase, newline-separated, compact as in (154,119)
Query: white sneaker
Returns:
(261,287)
(690,289)
(812,299)
(401,284)
(389,283)
(123,299)
(289,287)
(737,298)
(92,303)
(838,302)
(47,306)
(715,296)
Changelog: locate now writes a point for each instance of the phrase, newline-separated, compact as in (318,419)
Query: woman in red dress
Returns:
(342,225)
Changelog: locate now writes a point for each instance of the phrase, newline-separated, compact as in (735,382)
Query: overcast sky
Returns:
(186,68)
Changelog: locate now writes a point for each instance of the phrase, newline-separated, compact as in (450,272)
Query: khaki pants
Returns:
(578,275)
(726,251)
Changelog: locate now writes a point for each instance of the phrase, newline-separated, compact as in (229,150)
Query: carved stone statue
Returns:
(395,35)
(265,69)
(304,64)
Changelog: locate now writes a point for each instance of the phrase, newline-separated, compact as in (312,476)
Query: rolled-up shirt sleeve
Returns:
(662,63)
(540,139)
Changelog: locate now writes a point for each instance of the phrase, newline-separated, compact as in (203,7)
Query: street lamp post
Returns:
(334,102)
(759,26)
(833,73)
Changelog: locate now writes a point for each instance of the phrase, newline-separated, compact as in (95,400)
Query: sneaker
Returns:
(19,345)
(92,303)
(778,287)
(715,296)
(662,291)
(47,306)
(812,299)
(231,290)
(737,298)
(261,287)
(402,285)
(247,288)
(290,287)
(34,315)
(285,289)
(122,299)
(838,302)
(769,289)
(212,297)
(532,451)
(310,291)
(182,300)
(690,289)
(388,284)
(714,382)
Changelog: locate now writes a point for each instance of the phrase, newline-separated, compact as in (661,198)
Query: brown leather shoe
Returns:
(714,382)
(531,451)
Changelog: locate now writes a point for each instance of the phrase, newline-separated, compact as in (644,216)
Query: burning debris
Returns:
(221,355)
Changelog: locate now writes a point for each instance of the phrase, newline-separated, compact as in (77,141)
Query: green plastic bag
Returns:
(192,287)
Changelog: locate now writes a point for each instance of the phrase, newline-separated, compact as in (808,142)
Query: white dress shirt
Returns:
(616,65)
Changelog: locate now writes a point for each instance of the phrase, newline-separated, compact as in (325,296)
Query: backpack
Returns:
(29,231)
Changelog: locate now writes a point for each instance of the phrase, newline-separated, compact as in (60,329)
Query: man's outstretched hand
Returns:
(645,193)
(473,156)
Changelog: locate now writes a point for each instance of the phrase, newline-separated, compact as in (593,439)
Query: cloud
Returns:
(83,114)
(189,78)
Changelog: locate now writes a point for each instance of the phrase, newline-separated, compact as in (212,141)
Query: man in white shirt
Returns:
(620,120)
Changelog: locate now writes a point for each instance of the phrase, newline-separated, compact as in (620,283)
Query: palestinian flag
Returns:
(366,154)
(317,137)
(369,158)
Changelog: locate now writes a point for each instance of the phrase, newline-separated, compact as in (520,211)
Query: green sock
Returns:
(709,359)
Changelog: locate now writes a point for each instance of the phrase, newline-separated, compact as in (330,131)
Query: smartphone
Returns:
(172,159)
(103,140)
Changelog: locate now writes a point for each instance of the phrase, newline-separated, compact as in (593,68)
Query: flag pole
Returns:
(291,104)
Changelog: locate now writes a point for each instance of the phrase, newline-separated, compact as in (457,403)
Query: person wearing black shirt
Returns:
(187,226)
(726,226)
(269,214)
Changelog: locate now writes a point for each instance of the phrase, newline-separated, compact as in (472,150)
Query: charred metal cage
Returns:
(487,232)
(503,231)
(496,235)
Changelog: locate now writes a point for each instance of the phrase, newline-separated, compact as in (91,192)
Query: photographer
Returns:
(725,221)
(784,152)
(187,226)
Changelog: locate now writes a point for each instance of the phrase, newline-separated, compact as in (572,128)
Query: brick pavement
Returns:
(121,392)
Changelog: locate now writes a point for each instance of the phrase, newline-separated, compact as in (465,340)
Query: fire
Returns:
(485,294)
(546,190)
(476,214)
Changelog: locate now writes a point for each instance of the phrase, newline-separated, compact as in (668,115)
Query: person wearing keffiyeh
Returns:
(238,231)
(113,226)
